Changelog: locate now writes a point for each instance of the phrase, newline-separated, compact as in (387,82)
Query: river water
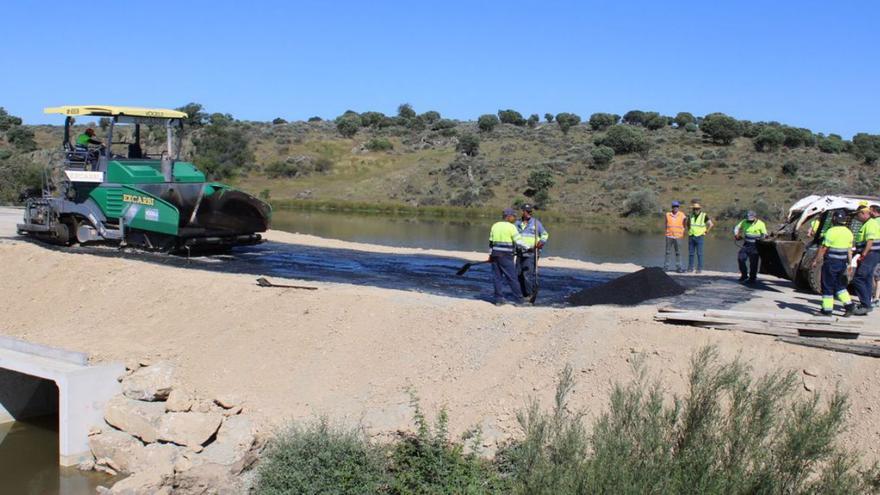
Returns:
(567,240)
(29,462)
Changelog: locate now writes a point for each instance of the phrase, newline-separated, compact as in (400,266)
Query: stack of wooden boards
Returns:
(814,331)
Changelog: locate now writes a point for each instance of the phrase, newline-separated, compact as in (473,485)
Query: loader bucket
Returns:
(781,258)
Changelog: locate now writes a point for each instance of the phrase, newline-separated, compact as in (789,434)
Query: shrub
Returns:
(721,128)
(691,127)
(348,125)
(430,116)
(21,138)
(278,121)
(602,121)
(222,150)
(867,146)
(769,139)
(379,144)
(548,117)
(831,144)
(539,184)
(8,121)
(624,139)
(18,176)
(372,119)
(219,119)
(567,120)
(654,121)
(634,117)
(320,458)
(323,164)
(682,119)
(602,156)
(487,122)
(533,120)
(469,144)
(405,111)
(790,168)
(795,137)
(639,203)
(315,119)
(511,117)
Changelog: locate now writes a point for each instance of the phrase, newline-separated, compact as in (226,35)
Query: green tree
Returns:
(654,121)
(602,156)
(222,151)
(769,139)
(372,119)
(833,143)
(405,111)
(867,146)
(315,119)
(511,117)
(21,138)
(430,116)
(567,120)
(195,114)
(624,139)
(469,144)
(533,120)
(601,121)
(721,128)
(348,124)
(548,117)
(220,119)
(682,119)
(278,121)
(634,117)
(797,137)
(539,184)
(8,121)
(487,122)
(692,127)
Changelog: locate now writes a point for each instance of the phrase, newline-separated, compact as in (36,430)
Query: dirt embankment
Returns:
(351,352)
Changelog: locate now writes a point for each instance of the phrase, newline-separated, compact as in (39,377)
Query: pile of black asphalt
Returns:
(630,289)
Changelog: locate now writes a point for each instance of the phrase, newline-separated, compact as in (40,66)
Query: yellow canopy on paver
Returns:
(112,111)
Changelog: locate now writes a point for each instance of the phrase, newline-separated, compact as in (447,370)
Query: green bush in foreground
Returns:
(731,433)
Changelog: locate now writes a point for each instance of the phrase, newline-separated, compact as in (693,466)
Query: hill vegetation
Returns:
(605,168)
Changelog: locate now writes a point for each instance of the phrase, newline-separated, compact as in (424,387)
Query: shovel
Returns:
(263,282)
(467,266)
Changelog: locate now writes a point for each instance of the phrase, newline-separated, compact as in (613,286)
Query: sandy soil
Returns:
(352,352)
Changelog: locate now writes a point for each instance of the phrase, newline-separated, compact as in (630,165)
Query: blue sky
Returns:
(804,63)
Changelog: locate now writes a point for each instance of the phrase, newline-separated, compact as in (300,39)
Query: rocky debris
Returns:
(192,429)
(167,440)
(179,400)
(139,418)
(207,479)
(150,383)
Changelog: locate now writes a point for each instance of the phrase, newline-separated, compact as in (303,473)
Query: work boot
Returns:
(849,310)
(699,270)
(498,302)
(862,311)
(743,278)
(752,280)
(680,270)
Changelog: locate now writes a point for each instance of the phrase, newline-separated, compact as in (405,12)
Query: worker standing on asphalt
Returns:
(674,227)
(504,240)
(749,231)
(867,243)
(836,256)
(533,237)
(698,224)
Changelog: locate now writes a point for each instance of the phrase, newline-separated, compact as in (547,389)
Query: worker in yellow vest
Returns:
(750,231)
(674,227)
(698,224)
(867,242)
(504,241)
(836,256)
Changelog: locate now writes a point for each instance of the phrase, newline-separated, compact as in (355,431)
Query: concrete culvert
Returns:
(630,289)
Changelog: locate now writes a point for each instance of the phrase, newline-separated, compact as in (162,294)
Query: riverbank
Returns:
(351,352)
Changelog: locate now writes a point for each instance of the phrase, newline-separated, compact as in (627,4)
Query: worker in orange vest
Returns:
(674,234)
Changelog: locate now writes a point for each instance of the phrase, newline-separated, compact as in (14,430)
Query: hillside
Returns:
(310,164)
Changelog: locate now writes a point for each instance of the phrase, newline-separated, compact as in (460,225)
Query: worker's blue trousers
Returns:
(504,270)
(833,276)
(863,282)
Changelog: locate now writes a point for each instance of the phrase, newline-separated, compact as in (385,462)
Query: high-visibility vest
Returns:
(697,224)
(839,241)
(675,224)
(504,237)
(870,231)
(527,231)
(83,140)
(751,231)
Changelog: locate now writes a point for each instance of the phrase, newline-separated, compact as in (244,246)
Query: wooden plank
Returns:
(858,349)
(751,326)
(747,315)
(807,324)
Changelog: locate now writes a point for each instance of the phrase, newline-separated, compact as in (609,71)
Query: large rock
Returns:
(179,400)
(138,418)
(142,483)
(234,446)
(207,479)
(159,458)
(192,429)
(150,383)
(124,450)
